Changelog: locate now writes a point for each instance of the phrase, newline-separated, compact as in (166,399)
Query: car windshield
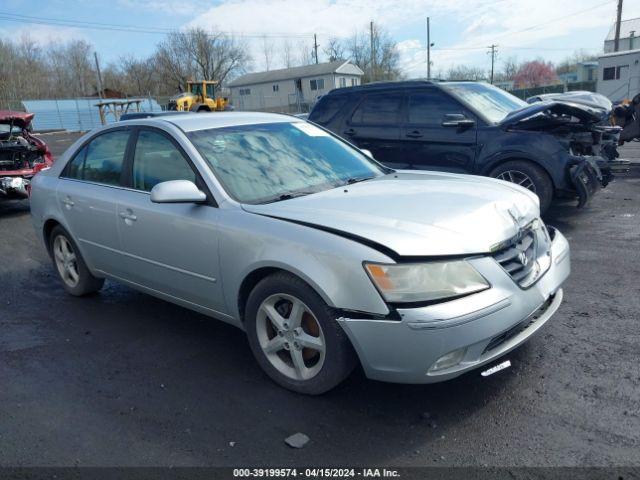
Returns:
(6,128)
(491,102)
(276,161)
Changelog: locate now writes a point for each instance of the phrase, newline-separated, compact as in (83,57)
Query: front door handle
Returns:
(128,216)
(349,132)
(414,134)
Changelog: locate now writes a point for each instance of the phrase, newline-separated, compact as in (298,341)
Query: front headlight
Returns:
(424,282)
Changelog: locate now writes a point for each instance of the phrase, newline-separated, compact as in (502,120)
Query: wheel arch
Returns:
(492,165)
(252,278)
(47,228)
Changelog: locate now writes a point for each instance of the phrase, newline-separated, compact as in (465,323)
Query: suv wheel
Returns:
(75,276)
(294,336)
(529,176)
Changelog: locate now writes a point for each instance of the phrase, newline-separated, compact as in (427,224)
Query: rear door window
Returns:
(101,159)
(327,108)
(157,159)
(379,109)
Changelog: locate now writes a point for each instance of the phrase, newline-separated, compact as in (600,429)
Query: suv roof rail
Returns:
(385,84)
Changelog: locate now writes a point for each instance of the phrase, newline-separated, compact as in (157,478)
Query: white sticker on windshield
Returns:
(310,130)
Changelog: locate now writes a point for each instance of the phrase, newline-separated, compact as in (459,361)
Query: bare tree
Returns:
(287,54)
(464,72)
(139,75)
(509,68)
(199,54)
(386,57)
(334,50)
(304,55)
(267,52)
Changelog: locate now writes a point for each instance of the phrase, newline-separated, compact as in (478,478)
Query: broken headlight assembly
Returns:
(425,282)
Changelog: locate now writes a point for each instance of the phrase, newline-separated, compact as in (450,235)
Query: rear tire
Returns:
(70,266)
(294,336)
(528,175)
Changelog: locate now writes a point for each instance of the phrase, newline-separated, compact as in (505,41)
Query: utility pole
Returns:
(616,41)
(492,51)
(428,50)
(373,56)
(95,55)
(315,47)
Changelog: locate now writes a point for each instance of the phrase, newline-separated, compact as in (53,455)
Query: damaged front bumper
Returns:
(14,187)
(588,174)
(442,341)
(587,178)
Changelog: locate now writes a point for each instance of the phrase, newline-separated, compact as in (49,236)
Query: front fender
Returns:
(329,263)
(539,148)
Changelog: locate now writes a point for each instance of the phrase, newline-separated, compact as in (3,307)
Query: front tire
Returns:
(72,270)
(294,336)
(527,175)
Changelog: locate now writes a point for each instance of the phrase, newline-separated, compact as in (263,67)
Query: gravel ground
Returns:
(124,379)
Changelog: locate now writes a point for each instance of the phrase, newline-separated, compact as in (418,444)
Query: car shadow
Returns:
(188,372)
(12,208)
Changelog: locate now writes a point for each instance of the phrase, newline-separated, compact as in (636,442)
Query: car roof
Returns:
(395,85)
(193,121)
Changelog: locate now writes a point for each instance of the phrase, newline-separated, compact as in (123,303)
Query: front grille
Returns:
(519,257)
(517,329)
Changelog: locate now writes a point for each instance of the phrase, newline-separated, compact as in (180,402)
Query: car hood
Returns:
(19,119)
(584,113)
(416,213)
(590,99)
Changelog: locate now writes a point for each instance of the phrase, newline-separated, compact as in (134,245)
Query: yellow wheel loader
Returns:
(200,96)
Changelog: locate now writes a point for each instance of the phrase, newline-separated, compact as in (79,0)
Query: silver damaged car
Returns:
(322,255)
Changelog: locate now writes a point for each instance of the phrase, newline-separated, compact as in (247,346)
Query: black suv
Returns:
(550,148)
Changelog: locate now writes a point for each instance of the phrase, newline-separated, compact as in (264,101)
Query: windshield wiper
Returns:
(286,196)
(352,180)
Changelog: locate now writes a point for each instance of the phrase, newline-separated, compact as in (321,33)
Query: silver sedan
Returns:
(322,255)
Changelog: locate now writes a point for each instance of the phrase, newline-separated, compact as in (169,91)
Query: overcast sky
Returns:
(460,29)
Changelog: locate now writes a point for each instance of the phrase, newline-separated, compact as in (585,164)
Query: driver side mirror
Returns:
(457,120)
(367,153)
(177,191)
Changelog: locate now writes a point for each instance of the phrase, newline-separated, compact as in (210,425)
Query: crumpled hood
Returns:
(19,119)
(417,213)
(584,113)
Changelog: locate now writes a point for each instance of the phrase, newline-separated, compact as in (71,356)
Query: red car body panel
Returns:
(23,121)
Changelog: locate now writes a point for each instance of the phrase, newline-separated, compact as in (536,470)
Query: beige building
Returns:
(291,89)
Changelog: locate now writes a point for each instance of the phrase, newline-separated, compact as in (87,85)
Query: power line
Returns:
(19,18)
(557,19)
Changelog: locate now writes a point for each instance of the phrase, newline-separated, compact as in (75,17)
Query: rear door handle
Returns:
(414,134)
(68,202)
(349,132)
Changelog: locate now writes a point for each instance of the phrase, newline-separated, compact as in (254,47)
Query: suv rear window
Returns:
(380,109)
(327,107)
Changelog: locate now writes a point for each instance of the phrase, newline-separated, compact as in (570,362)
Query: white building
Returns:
(619,75)
(629,33)
(291,89)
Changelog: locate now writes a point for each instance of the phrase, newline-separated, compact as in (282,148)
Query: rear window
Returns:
(327,107)
(382,109)
(100,160)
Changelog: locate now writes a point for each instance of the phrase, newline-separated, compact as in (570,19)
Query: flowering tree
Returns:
(534,74)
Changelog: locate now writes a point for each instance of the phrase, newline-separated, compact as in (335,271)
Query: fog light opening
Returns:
(449,360)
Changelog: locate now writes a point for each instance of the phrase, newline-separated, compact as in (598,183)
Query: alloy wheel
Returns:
(66,261)
(290,336)
(519,178)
